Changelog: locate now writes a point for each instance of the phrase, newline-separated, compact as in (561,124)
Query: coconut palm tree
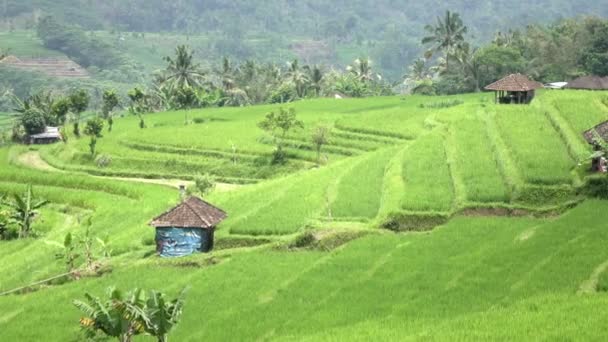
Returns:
(362,69)
(181,71)
(471,67)
(316,77)
(25,209)
(447,35)
(297,77)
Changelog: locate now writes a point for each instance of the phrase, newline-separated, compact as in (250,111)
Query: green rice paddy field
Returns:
(433,222)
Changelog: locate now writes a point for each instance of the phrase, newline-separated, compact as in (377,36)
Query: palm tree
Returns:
(471,67)
(362,69)
(182,71)
(447,35)
(417,71)
(297,77)
(25,210)
(226,74)
(315,76)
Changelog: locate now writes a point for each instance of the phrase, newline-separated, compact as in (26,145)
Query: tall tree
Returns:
(278,125)
(315,77)
(110,101)
(362,70)
(181,71)
(297,77)
(447,35)
(79,102)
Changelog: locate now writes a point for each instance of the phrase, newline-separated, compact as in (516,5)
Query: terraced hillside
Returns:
(405,163)
(515,243)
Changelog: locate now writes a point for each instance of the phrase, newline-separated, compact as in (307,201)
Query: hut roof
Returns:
(193,212)
(49,133)
(514,82)
(589,83)
(601,130)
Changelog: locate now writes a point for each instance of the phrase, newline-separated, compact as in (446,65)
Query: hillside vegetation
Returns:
(510,242)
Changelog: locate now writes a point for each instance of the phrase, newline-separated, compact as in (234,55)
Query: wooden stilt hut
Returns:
(188,228)
(514,89)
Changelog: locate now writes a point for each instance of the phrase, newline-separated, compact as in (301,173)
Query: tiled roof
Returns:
(601,130)
(191,213)
(589,83)
(514,82)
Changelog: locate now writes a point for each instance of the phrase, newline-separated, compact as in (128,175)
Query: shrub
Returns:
(103,161)
(204,184)
(442,104)
(596,187)
(33,121)
(404,222)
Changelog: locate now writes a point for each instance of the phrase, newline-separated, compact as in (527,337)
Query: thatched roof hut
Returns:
(515,88)
(187,228)
(589,83)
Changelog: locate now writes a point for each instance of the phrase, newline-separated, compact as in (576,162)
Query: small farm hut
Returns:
(49,136)
(597,136)
(514,89)
(188,228)
(589,83)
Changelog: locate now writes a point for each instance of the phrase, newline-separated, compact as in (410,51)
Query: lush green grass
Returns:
(472,278)
(474,161)
(360,189)
(25,44)
(582,109)
(428,181)
(536,147)
(436,286)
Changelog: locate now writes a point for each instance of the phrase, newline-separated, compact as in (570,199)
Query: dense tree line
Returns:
(548,53)
(184,84)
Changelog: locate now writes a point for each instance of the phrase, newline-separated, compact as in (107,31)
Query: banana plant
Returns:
(120,316)
(162,315)
(25,208)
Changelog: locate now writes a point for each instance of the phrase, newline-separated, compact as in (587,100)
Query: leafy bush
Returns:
(103,161)
(33,122)
(203,184)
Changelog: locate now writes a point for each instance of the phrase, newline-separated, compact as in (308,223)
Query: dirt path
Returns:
(33,160)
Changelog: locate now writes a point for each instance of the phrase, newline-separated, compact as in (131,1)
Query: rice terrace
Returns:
(248,200)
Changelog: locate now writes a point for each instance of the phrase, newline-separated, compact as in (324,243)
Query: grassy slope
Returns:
(387,286)
(437,285)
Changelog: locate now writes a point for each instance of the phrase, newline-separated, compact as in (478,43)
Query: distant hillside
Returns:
(318,18)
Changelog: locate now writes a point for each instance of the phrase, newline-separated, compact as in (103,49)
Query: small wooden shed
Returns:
(514,89)
(188,228)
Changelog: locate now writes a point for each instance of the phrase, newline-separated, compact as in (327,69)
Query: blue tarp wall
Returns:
(176,242)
